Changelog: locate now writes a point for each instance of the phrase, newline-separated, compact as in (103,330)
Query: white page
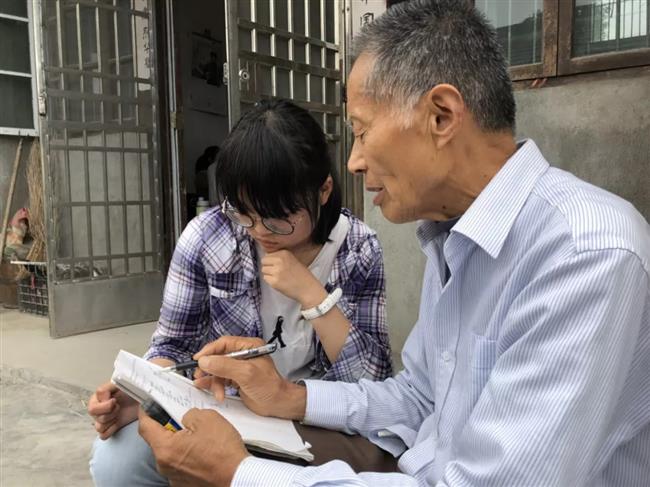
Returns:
(177,395)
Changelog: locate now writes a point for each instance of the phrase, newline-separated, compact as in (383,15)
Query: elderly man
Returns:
(530,361)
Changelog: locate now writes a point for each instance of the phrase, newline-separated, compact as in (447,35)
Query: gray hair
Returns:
(418,44)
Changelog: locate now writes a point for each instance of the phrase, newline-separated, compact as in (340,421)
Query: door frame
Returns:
(89,303)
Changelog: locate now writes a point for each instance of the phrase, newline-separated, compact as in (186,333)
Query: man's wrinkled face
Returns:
(399,163)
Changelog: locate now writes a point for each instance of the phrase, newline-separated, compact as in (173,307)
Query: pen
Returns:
(156,411)
(240,355)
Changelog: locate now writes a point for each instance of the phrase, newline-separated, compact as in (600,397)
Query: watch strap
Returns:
(328,303)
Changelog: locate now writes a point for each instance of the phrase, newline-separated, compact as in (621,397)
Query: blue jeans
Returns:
(125,460)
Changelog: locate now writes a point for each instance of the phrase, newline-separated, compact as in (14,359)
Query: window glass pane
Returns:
(330,20)
(14,39)
(16,102)
(134,229)
(316,88)
(80,233)
(330,91)
(332,124)
(283,88)
(281,14)
(245,40)
(314,19)
(69,39)
(14,7)
(299,51)
(282,47)
(264,43)
(264,80)
(298,17)
(244,9)
(299,86)
(330,59)
(88,28)
(263,12)
(609,25)
(519,28)
(51,42)
(107,40)
(315,55)
(124,34)
(98,229)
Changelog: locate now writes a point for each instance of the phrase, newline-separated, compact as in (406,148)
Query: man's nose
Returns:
(356,164)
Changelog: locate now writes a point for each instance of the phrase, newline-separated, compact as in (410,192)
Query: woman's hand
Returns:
(111,409)
(285,273)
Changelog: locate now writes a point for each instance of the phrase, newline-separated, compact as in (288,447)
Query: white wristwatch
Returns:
(327,304)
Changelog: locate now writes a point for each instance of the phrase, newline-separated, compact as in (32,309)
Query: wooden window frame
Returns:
(548,66)
(557,42)
(22,131)
(597,62)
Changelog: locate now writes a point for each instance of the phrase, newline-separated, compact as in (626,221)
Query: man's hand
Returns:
(206,452)
(111,409)
(261,387)
(286,274)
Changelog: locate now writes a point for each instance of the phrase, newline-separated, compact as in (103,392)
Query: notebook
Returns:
(141,380)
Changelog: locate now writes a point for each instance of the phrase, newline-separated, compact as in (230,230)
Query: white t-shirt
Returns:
(293,361)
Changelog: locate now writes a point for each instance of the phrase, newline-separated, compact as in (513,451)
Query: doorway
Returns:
(229,54)
(139,94)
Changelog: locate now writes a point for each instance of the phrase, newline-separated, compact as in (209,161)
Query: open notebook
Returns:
(177,395)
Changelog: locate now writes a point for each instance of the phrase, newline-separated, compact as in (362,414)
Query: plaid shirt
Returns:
(213,289)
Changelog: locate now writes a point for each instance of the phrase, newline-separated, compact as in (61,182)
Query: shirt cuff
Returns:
(174,356)
(325,405)
(259,472)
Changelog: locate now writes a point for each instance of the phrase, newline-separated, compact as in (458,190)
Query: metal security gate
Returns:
(291,49)
(98,103)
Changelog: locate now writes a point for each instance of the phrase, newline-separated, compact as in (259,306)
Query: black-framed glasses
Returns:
(279,226)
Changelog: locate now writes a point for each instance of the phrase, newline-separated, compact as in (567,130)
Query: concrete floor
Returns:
(45,433)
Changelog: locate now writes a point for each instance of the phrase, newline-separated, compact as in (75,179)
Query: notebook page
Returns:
(177,394)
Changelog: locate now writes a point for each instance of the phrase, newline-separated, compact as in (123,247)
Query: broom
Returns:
(36,211)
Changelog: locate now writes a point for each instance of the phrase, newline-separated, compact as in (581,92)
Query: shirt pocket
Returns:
(217,293)
(484,356)
(484,352)
(231,309)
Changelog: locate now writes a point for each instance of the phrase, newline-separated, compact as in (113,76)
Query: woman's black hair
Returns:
(275,161)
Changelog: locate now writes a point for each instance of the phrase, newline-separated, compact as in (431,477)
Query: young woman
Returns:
(279,244)
(279,259)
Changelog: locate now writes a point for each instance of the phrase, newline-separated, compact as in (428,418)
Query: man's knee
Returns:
(124,459)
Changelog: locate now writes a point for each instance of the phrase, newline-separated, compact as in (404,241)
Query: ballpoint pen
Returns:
(240,355)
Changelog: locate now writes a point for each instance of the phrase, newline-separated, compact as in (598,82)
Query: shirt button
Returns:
(446,356)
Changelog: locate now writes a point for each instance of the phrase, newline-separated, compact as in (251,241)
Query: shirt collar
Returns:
(428,230)
(488,221)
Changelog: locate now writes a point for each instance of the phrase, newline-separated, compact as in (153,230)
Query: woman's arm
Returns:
(185,306)
(366,352)
(353,333)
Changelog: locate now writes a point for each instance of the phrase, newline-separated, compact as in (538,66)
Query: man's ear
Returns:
(446,109)
(326,190)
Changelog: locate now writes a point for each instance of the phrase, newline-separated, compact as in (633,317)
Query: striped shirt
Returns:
(213,289)
(529,367)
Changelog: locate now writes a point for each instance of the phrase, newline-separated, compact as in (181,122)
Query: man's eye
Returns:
(360,136)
